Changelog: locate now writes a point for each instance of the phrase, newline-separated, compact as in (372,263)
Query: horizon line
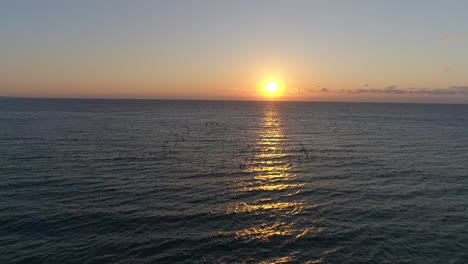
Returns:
(225,100)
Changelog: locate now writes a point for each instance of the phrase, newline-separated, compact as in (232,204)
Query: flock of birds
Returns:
(172,141)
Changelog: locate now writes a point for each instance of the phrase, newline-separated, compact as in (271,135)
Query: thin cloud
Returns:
(453,36)
(318,90)
(293,91)
(445,36)
(446,68)
(453,90)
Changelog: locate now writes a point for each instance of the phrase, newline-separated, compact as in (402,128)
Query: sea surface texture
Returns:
(151,181)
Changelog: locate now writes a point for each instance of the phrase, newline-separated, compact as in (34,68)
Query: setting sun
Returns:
(271,88)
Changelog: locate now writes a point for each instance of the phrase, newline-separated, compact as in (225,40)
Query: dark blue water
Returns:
(132,181)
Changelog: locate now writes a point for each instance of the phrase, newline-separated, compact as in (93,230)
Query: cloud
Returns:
(318,90)
(293,91)
(460,88)
(453,90)
(446,68)
(453,36)
(445,36)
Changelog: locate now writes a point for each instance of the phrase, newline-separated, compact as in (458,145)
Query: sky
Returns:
(361,50)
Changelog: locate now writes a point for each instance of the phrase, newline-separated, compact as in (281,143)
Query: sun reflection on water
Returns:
(270,162)
(270,193)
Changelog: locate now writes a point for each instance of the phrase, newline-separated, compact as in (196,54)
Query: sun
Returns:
(271,88)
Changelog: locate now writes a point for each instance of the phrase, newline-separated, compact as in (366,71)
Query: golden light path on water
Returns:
(275,187)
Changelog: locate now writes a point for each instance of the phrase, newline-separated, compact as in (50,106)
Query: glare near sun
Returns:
(271,88)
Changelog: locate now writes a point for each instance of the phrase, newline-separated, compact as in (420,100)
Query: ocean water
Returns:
(152,181)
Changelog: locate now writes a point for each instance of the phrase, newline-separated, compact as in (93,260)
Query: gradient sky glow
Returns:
(375,50)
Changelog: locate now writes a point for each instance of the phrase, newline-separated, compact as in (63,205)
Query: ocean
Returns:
(163,181)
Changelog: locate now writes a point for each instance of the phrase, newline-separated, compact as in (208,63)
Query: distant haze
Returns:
(401,51)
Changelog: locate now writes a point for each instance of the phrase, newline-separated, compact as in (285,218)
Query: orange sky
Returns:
(227,50)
